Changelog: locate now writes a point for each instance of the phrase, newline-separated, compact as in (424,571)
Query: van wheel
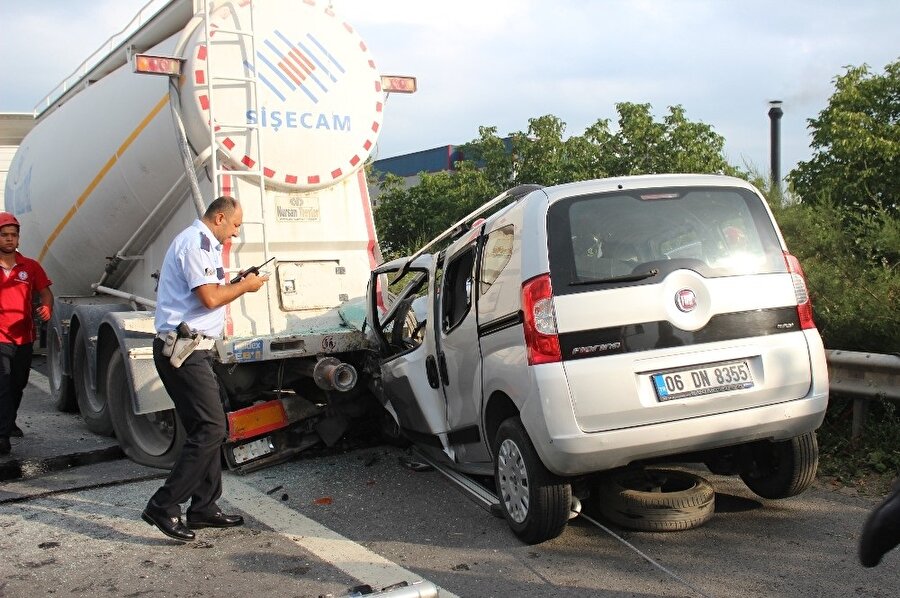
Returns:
(656,500)
(534,502)
(152,439)
(91,405)
(62,388)
(781,469)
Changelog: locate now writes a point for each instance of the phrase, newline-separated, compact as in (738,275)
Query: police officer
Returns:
(20,279)
(193,289)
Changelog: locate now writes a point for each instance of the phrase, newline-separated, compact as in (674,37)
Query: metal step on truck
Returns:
(277,103)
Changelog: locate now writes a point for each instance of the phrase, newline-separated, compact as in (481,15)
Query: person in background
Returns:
(881,532)
(193,291)
(21,279)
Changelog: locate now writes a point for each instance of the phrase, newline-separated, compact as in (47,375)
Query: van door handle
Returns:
(431,371)
(442,367)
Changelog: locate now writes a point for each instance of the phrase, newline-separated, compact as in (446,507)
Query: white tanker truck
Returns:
(279,104)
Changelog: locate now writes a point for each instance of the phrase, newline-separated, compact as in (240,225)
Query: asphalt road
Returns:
(318,527)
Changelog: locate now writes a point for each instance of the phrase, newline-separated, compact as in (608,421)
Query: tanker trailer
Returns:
(275,102)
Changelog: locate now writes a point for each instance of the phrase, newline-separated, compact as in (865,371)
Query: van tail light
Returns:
(804,305)
(541,338)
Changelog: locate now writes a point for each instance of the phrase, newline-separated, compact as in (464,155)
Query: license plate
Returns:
(705,380)
(253,450)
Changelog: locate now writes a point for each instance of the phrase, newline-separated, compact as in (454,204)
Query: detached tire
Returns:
(92,405)
(534,502)
(656,500)
(152,439)
(783,469)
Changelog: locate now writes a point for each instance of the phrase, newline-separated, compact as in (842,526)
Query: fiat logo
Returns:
(686,300)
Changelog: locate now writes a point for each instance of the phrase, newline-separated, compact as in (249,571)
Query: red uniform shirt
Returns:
(16,293)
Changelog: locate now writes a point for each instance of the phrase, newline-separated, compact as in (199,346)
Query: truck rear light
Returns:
(804,305)
(541,338)
(256,420)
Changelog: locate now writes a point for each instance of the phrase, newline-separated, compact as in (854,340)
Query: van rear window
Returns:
(623,237)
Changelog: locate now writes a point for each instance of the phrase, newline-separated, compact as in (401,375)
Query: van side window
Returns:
(456,298)
(498,250)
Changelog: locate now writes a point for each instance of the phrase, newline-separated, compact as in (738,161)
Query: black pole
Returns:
(775,114)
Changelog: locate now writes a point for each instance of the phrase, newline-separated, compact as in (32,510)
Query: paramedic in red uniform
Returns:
(21,278)
(193,289)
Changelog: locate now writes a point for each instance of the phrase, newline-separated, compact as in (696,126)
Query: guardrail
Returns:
(863,377)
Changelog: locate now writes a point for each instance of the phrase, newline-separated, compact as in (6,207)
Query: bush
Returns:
(873,458)
(850,261)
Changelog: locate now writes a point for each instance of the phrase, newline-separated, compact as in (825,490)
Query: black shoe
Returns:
(4,445)
(16,432)
(218,519)
(170,526)
(881,531)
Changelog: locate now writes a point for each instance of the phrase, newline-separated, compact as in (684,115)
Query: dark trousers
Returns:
(197,474)
(15,365)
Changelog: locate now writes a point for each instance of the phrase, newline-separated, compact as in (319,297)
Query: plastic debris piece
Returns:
(413,465)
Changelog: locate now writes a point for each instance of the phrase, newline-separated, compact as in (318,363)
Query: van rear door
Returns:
(673,303)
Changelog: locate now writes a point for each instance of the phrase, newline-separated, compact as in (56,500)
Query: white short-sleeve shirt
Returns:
(193,259)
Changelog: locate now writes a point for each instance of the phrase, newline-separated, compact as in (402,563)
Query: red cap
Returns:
(6,219)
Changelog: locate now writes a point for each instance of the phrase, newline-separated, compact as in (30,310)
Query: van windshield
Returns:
(637,237)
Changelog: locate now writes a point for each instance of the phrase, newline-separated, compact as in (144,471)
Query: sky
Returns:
(501,62)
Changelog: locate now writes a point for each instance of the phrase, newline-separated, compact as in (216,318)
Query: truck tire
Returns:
(152,439)
(783,469)
(656,500)
(62,388)
(91,404)
(534,502)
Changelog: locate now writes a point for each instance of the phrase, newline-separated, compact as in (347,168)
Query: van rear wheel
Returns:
(534,502)
(151,439)
(781,469)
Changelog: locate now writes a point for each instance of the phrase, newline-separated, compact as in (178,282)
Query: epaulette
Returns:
(205,245)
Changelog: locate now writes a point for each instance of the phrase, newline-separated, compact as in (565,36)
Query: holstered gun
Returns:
(183,349)
(185,342)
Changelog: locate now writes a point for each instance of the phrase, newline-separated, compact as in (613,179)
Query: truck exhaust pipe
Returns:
(330,373)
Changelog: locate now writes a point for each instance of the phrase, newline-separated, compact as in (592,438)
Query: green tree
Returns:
(856,144)
(408,217)
(845,228)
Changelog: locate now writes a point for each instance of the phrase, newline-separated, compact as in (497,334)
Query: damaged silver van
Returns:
(559,332)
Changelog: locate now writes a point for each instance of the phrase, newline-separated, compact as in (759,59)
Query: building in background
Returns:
(13,128)
(410,166)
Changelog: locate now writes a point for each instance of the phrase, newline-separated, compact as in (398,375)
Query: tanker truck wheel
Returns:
(62,389)
(152,439)
(91,404)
